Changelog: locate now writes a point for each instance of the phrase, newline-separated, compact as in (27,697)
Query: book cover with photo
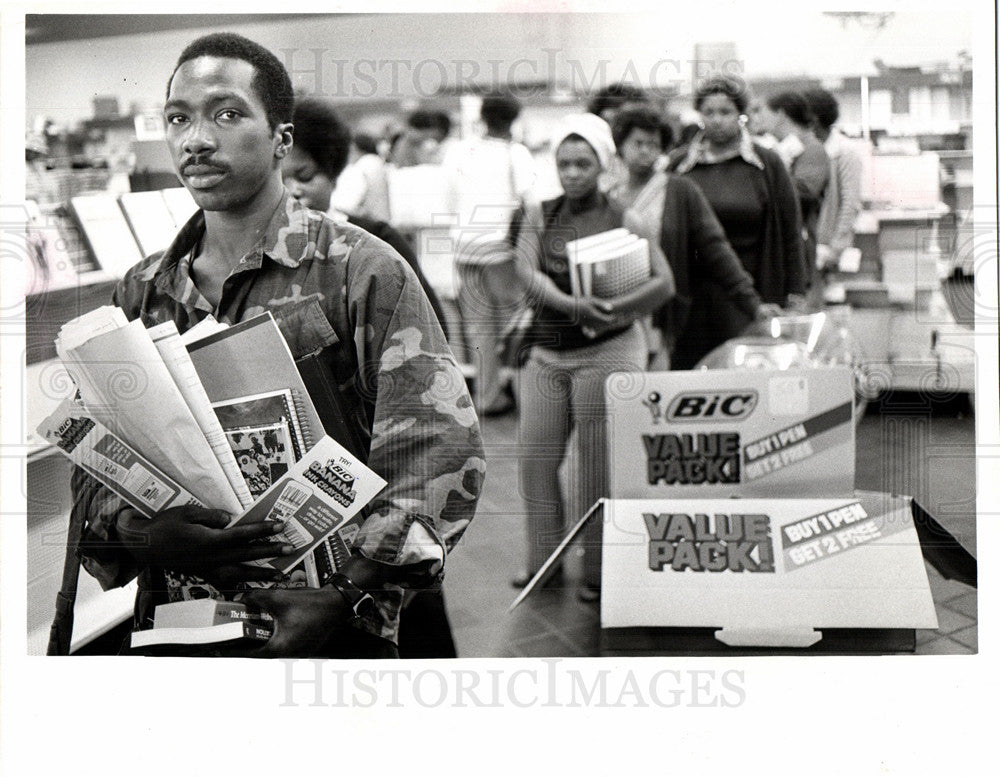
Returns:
(265,436)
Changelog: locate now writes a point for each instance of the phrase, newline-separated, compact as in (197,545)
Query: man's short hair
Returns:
(793,105)
(270,80)
(733,88)
(638,117)
(614,97)
(499,110)
(823,106)
(321,134)
(425,119)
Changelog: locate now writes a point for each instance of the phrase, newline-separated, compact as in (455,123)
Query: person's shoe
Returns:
(588,594)
(523,578)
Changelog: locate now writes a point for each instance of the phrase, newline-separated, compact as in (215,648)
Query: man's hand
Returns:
(304,619)
(195,540)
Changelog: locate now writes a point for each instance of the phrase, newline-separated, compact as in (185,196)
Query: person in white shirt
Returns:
(363,188)
(488,178)
(842,202)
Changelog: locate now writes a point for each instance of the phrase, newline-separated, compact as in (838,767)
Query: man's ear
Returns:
(284,134)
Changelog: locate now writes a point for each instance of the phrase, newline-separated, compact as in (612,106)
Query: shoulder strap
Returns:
(61,631)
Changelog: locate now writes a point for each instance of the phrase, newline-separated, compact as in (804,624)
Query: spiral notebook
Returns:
(245,367)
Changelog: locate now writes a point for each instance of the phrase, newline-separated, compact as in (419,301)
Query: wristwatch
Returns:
(360,602)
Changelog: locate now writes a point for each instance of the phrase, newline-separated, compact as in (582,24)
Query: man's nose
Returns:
(199,138)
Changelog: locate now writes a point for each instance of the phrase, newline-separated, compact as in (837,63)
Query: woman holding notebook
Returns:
(579,340)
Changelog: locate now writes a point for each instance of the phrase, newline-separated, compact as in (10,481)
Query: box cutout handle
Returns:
(786,638)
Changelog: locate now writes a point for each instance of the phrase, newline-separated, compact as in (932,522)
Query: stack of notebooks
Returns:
(220,417)
(607,264)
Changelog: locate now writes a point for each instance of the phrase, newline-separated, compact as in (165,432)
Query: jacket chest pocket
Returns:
(329,373)
(305,327)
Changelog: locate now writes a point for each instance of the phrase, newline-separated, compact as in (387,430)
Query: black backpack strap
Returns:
(61,631)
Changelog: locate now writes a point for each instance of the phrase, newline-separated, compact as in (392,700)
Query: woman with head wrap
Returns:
(578,342)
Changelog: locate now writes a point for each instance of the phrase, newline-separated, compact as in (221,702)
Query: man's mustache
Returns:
(205,163)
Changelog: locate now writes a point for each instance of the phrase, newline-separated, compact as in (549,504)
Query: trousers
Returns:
(561,394)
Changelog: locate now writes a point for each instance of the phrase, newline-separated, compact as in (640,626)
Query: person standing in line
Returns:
(252,248)
(425,140)
(607,103)
(363,187)
(687,230)
(789,119)
(311,173)
(752,195)
(842,201)
(488,177)
(578,343)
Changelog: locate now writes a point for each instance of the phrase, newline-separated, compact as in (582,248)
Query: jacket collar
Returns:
(698,152)
(287,240)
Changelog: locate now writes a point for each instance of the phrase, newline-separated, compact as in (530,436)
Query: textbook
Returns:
(107,232)
(264,434)
(204,635)
(126,385)
(200,613)
(608,264)
(249,360)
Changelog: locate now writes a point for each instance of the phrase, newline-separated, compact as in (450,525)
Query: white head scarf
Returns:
(591,128)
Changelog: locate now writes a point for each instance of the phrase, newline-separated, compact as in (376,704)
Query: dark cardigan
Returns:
(721,308)
(782,269)
(699,254)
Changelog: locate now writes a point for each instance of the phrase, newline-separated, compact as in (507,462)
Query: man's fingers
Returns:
(213,519)
(261,599)
(257,530)
(244,573)
(256,551)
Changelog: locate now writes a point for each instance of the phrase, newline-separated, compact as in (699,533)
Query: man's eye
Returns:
(176,118)
(228,115)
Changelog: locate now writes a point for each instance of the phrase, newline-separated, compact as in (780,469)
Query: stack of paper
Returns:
(608,264)
(224,421)
(126,385)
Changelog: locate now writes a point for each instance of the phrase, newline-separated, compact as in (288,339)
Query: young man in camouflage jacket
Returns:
(251,248)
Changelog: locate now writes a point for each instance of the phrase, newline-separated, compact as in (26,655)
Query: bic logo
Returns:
(730,406)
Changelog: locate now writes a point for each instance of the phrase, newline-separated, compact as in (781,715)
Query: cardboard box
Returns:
(764,571)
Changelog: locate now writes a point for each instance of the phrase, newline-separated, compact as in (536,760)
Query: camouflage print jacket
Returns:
(335,286)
